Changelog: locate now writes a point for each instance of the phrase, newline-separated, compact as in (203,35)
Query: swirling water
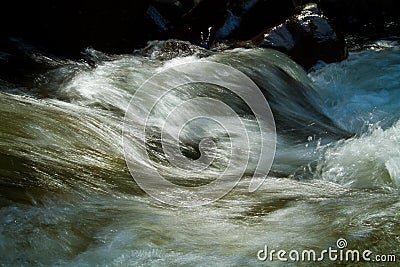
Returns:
(67,197)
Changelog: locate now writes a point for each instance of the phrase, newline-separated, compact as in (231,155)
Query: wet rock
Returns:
(257,15)
(216,20)
(306,37)
(233,21)
(169,49)
(20,64)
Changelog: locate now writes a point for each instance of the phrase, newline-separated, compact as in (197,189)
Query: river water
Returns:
(68,198)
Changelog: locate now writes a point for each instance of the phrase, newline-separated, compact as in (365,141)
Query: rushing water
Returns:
(67,197)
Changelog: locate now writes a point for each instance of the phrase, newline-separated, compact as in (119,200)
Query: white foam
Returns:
(372,160)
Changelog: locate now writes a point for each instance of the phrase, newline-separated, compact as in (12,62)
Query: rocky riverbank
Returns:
(307,33)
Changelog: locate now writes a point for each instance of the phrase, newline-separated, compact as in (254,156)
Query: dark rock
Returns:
(362,16)
(233,22)
(20,63)
(215,20)
(69,26)
(257,15)
(307,38)
(173,10)
(363,21)
(168,16)
(199,24)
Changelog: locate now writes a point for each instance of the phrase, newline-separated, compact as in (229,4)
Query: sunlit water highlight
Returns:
(67,197)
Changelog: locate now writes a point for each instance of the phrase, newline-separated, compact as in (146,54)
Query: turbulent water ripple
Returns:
(67,198)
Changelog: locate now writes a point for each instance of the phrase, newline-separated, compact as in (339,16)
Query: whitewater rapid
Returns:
(64,183)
